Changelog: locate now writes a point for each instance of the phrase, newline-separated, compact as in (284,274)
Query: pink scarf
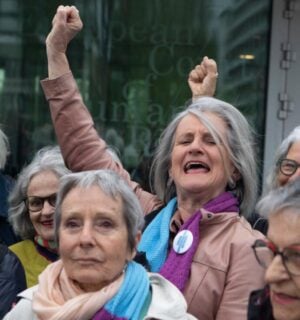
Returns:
(59,298)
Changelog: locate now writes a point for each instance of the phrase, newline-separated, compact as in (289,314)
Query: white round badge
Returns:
(183,241)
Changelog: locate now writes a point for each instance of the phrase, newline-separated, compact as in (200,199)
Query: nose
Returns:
(47,208)
(276,272)
(86,236)
(196,146)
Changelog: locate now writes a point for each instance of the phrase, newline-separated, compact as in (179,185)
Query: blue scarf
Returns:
(155,239)
(129,301)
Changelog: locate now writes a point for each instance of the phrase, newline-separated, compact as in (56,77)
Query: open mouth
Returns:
(196,166)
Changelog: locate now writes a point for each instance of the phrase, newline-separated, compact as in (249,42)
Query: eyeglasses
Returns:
(288,167)
(265,251)
(35,204)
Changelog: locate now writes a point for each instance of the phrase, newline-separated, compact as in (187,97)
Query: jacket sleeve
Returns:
(12,281)
(244,275)
(81,146)
(21,311)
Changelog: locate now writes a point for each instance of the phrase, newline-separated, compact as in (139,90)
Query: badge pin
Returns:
(183,241)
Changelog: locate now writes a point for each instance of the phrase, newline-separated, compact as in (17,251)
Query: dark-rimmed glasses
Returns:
(265,251)
(288,166)
(34,203)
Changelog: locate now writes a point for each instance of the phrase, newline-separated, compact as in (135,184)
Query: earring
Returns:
(231,184)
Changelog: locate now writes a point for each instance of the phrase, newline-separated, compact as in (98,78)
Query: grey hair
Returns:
(240,147)
(281,153)
(113,186)
(5,149)
(46,159)
(281,198)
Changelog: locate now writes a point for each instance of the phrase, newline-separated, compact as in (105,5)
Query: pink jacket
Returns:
(224,270)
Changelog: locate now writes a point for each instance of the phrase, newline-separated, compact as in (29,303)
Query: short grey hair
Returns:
(281,153)
(287,197)
(240,148)
(5,149)
(113,186)
(46,159)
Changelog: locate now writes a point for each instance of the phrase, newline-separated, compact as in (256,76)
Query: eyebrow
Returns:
(45,196)
(79,214)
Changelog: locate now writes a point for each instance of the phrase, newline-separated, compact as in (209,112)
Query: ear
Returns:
(236,176)
(137,240)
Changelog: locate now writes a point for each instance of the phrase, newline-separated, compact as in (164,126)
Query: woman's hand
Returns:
(203,78)
(65,25)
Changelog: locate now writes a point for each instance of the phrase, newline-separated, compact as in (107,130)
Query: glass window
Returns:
(131,61)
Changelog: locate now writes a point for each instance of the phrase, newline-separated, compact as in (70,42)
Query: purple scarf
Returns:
(177,266)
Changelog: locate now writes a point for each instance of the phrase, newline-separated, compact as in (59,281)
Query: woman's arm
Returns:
(81,146)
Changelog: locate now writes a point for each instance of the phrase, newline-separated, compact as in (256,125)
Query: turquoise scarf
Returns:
(128,303)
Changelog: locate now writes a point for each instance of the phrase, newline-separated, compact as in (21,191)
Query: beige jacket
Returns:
(224,270)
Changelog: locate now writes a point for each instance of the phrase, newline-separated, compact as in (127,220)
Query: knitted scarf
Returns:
(128,303)
(59,298)
(51,245)
(47,248)
(155,240)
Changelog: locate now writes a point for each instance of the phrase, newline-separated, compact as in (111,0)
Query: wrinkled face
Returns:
(284,289)
(293,154)
(198,164)
(93,238)
(42,185)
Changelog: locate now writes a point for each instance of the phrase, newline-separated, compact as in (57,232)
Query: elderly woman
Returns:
(280,255)
(31,211)
(283,171)
(204,180)
(98,224)
(287,161)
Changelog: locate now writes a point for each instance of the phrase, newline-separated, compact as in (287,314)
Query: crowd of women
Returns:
(95,245)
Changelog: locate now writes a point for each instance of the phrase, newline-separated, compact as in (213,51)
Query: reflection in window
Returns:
(131,62)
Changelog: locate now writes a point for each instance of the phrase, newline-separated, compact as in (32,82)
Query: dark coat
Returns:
(12,279)
(260,307)
(258,223)
(7,235)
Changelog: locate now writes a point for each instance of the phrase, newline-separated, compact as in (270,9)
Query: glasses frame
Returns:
(295,163)
(271,246)
(49,199)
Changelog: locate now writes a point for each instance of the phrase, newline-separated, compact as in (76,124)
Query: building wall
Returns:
(283,108)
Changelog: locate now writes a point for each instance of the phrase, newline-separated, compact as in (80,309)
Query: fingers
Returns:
(60,16)
(210,67)
(203,78)
(198,73)
(66,14)
(72,14)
